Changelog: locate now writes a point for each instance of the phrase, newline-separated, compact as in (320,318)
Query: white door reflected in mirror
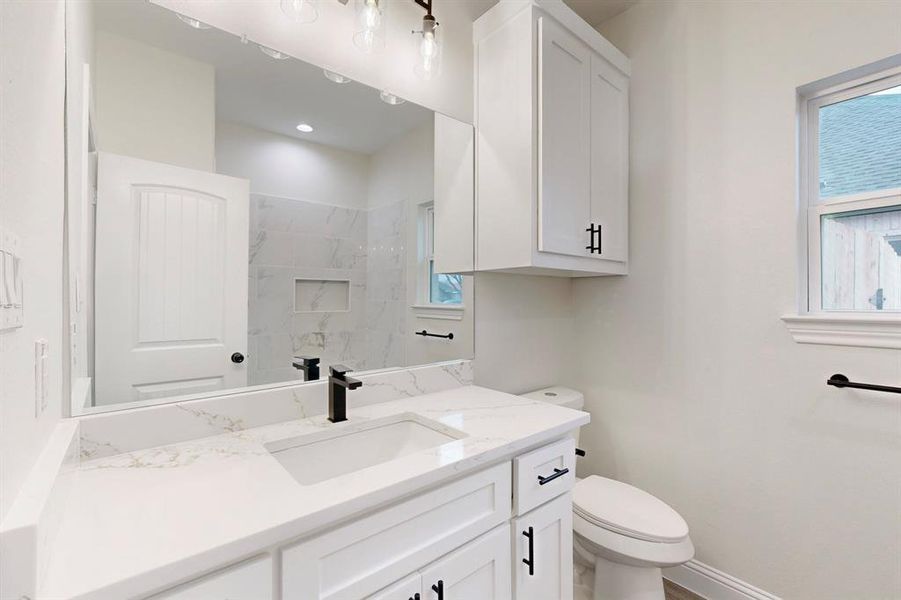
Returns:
(171,305)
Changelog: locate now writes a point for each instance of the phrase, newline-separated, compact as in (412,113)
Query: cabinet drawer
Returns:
(366,555)
(251,580)
(543,474)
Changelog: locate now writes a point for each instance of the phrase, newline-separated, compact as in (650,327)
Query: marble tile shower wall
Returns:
(386,286)
(296,239)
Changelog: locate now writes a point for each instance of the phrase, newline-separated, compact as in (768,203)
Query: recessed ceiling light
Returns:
(304,128)
(336,77)
(192,22)
(273,53)
(389,98)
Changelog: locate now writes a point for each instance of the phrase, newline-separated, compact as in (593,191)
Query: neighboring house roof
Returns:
(860,145)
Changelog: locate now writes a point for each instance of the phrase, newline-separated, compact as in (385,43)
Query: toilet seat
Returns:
(626,510)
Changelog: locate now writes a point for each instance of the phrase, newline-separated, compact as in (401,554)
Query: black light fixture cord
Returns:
(426,4)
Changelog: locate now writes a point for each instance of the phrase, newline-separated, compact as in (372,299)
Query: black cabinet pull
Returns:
(438,588)
(550,478)
(592,248)
(530,535)
(237,358)
(580,452)
(414,596)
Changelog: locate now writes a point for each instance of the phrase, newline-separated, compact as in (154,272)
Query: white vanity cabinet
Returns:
(504,532)
(480,569)
(362,557)
(552,143)
(408,588)
(542,530)
(543,560)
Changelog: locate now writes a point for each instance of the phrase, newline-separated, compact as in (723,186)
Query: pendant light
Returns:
(300,11)
(428,63)
(369,30)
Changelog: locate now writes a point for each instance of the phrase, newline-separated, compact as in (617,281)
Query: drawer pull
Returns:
(550,478)
(438,588)
(530,535)
(415,596)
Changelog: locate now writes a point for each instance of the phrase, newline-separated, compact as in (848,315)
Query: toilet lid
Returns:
(627,510)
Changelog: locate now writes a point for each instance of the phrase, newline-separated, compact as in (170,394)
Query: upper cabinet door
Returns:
(564,75)
(610,159)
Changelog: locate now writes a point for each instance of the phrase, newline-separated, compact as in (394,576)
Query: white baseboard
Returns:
(712,584)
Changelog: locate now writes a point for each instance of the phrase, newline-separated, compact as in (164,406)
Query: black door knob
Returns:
(237,358)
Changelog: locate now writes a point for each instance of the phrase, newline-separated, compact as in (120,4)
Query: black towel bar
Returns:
(841,381)
(425,333)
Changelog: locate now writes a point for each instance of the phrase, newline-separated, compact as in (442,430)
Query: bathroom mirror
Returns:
(231,209)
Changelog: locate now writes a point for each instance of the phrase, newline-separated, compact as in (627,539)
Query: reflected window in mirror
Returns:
(435,288)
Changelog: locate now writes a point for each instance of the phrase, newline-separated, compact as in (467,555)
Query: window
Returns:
(854,198)
(435,288)
(850,156)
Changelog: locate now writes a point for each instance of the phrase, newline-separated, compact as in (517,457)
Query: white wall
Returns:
(328,43)
(31,206)
(278,165)
(697,391)
(154,104)
(524,330)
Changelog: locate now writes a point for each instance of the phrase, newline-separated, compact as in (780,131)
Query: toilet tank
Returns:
(560,396)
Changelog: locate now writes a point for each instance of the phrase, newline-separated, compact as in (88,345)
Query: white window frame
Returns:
(426,255)
(812,324)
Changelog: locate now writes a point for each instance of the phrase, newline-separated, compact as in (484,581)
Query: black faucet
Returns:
(309,365)
(338,385)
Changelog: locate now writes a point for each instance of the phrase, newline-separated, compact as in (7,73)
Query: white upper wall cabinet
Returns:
(552,143)
(564,150)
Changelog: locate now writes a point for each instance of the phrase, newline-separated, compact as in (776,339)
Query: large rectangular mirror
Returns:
(232,211)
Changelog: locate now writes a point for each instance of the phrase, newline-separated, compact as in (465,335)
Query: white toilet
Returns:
(626,534)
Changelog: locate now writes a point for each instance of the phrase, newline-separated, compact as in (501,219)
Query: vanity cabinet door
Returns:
(363,556)
(408,588)
(251,580)
(480,569)
(543,559)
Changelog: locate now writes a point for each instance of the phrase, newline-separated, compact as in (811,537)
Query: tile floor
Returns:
(583,580)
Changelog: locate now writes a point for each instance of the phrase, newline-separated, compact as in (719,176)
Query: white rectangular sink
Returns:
(351,446)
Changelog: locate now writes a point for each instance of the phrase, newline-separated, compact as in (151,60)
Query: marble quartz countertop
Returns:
(138,522)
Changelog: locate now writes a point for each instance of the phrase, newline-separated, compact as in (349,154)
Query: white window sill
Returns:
(447,312)
(844,329)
